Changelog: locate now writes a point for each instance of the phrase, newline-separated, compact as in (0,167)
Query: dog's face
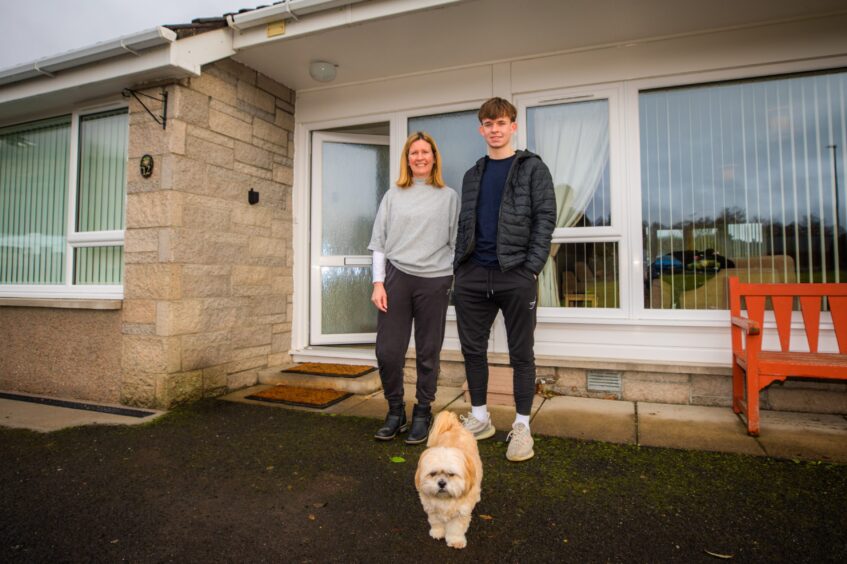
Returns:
(444,472)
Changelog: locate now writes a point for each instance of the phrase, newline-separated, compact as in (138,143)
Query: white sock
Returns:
(480,412)
(522,419)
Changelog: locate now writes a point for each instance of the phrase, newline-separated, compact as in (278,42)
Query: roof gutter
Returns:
(134,44)
(286,10)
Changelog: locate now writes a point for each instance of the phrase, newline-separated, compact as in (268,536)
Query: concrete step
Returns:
(360,385)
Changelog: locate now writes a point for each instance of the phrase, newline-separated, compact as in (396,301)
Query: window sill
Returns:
(62,303)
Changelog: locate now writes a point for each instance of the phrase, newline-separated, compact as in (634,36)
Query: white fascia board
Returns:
(92,74)
(45,95)
(194,52)
(283,11)
(326,20)
(133,43)
(174,60)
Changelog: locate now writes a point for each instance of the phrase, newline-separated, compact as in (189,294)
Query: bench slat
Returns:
(788,364)
(811,308)
(838,308)
(782,306)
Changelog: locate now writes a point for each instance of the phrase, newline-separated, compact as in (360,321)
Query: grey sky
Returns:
(33,29)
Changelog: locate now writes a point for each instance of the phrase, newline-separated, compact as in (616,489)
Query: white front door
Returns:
(350,173)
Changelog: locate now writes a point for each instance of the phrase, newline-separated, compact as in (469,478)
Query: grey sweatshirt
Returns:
(415,228)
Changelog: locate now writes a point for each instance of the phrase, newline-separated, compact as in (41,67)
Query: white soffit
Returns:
(450,34)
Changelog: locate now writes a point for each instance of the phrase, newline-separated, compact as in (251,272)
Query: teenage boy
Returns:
(505,227)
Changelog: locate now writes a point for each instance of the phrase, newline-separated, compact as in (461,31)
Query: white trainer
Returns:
(480,429)
(520,443)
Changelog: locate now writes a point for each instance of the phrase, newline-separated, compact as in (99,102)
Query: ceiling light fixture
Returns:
(322,71)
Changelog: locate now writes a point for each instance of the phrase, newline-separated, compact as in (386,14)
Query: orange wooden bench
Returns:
(754,369)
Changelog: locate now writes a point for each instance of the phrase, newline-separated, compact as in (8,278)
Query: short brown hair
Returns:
(406,179)
(495,108)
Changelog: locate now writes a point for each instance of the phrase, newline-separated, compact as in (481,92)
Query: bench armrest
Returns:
(750,327)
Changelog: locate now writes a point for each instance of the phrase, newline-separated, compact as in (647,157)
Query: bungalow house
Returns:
(186,207)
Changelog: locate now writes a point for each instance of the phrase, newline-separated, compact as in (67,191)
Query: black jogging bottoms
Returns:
(478,294)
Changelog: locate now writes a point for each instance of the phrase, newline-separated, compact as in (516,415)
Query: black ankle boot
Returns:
(395,422)
(421,422)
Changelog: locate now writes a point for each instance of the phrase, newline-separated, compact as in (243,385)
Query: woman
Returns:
(412,242)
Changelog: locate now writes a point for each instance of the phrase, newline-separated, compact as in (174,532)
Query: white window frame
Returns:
(73,238)
(614,233)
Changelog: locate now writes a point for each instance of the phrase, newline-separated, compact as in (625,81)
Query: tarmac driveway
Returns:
(220,481)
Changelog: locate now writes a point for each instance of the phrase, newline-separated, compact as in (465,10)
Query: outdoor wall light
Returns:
(252,197)
(322,71)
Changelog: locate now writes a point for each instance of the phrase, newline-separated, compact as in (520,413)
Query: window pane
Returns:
(102,171)
(742,179)
(33,202)
(98,265)
(458,139)
(581,275)
(573,140)
(355,177)
(345,300)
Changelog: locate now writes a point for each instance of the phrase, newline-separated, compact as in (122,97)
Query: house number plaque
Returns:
(146,166)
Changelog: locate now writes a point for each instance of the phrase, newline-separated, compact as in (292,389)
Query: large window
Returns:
(62,205)
(742,179)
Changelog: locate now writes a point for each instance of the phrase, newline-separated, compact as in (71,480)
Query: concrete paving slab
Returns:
(46,418)
(803,435)
(240,396)
(691,426)
(586,418)
(376,407)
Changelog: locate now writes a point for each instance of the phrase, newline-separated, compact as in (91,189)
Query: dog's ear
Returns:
(424,454)
(470,472)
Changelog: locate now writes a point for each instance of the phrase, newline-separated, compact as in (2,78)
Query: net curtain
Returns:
(573,140)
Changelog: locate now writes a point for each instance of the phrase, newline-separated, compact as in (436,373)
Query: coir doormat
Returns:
(325,369)
(316,398)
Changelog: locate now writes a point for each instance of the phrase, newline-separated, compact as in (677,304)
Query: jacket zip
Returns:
(502,197)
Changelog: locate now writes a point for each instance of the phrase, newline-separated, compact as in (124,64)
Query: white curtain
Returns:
(573,140)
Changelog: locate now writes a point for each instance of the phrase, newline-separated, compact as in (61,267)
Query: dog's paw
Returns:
(457,542)
(437,532)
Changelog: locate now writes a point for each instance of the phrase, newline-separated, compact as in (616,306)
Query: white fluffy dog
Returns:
(449,479)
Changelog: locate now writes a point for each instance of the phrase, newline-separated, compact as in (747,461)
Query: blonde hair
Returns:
(406,178)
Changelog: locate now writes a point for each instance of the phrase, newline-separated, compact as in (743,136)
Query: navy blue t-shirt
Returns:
(488,210)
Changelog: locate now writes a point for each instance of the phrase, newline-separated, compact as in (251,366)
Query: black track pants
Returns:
(424,301)
(478,294)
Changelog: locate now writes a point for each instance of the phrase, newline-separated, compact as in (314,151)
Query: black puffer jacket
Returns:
(527,214)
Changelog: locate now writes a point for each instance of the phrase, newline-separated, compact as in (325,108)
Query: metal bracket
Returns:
(162,119)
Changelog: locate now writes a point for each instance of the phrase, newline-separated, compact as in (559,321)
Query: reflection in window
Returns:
(587,275)
(458,139)
(742,179)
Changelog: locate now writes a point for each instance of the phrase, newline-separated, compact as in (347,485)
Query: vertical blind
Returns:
(742,179)
(33,202)
(102,171)
(103,139)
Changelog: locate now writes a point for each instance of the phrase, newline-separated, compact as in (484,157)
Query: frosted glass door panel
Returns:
(355,176)
(350,174)
(346,300)
(458,139)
